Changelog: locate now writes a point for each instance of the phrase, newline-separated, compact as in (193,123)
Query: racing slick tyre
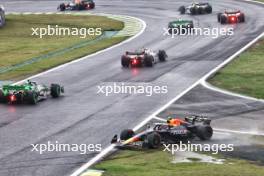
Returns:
(204,132)
(32,97)
(154,140)
(182,10)
(92,5)
(162,55)
(209,9)
(219,17)
(2,18)
(199,11)
(149,61)
(125,61)
(223,19)
(127,134)
(242,18)
(55,90)
(193,11)
(62,7)
(2,97)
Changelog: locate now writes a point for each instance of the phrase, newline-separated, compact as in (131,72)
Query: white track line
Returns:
(258,2)
(160,119)
(216,89)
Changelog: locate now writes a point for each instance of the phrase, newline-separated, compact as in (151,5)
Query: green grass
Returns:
(149,163)
(244,75)
(17,45)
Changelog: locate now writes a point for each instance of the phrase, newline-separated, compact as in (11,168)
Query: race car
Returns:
(178,25)
(174,131)
(77,5)
(144,57)
(29,92)
(230,17)
(2,16)
(196,9)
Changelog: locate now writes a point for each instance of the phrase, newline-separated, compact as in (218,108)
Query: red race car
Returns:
(230,17)
(77,5)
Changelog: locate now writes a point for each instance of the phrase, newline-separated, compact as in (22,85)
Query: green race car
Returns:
(29,92)
(179,26)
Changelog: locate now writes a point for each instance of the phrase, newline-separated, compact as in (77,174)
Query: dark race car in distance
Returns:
(2,16)
(174,131)
(196,9)
(231,17)
(77,5)
(144,57)
(29,92)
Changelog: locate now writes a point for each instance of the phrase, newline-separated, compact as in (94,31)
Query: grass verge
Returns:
(244,75)
(17,45)
(151,162)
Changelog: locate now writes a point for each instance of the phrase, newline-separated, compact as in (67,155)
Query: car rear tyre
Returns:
(62,7)
(199,11)
(219,17)
(182,10)
(162,55)
(55,90)
(32,97)
(149,61)
(92,5)
(209,9)
(204,132)
(125,61)
(223,19)
(242,18)
(154,140)
(2,96)
(127,134)
(193,11)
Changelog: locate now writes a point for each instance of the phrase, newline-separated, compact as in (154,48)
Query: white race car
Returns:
(144,57)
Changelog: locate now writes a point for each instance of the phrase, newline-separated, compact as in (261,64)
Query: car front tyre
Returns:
(154,140)
(127,134)
(162,55)
(55,90)
(125,61)
(149,61)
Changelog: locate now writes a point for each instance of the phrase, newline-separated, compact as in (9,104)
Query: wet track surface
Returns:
(236,120)
(82,115)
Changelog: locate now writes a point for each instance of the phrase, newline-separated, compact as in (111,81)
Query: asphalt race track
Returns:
(236,120)
(84,117)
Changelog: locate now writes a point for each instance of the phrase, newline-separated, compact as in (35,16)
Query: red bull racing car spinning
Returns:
(77,5)
(145,57)
(175,130)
